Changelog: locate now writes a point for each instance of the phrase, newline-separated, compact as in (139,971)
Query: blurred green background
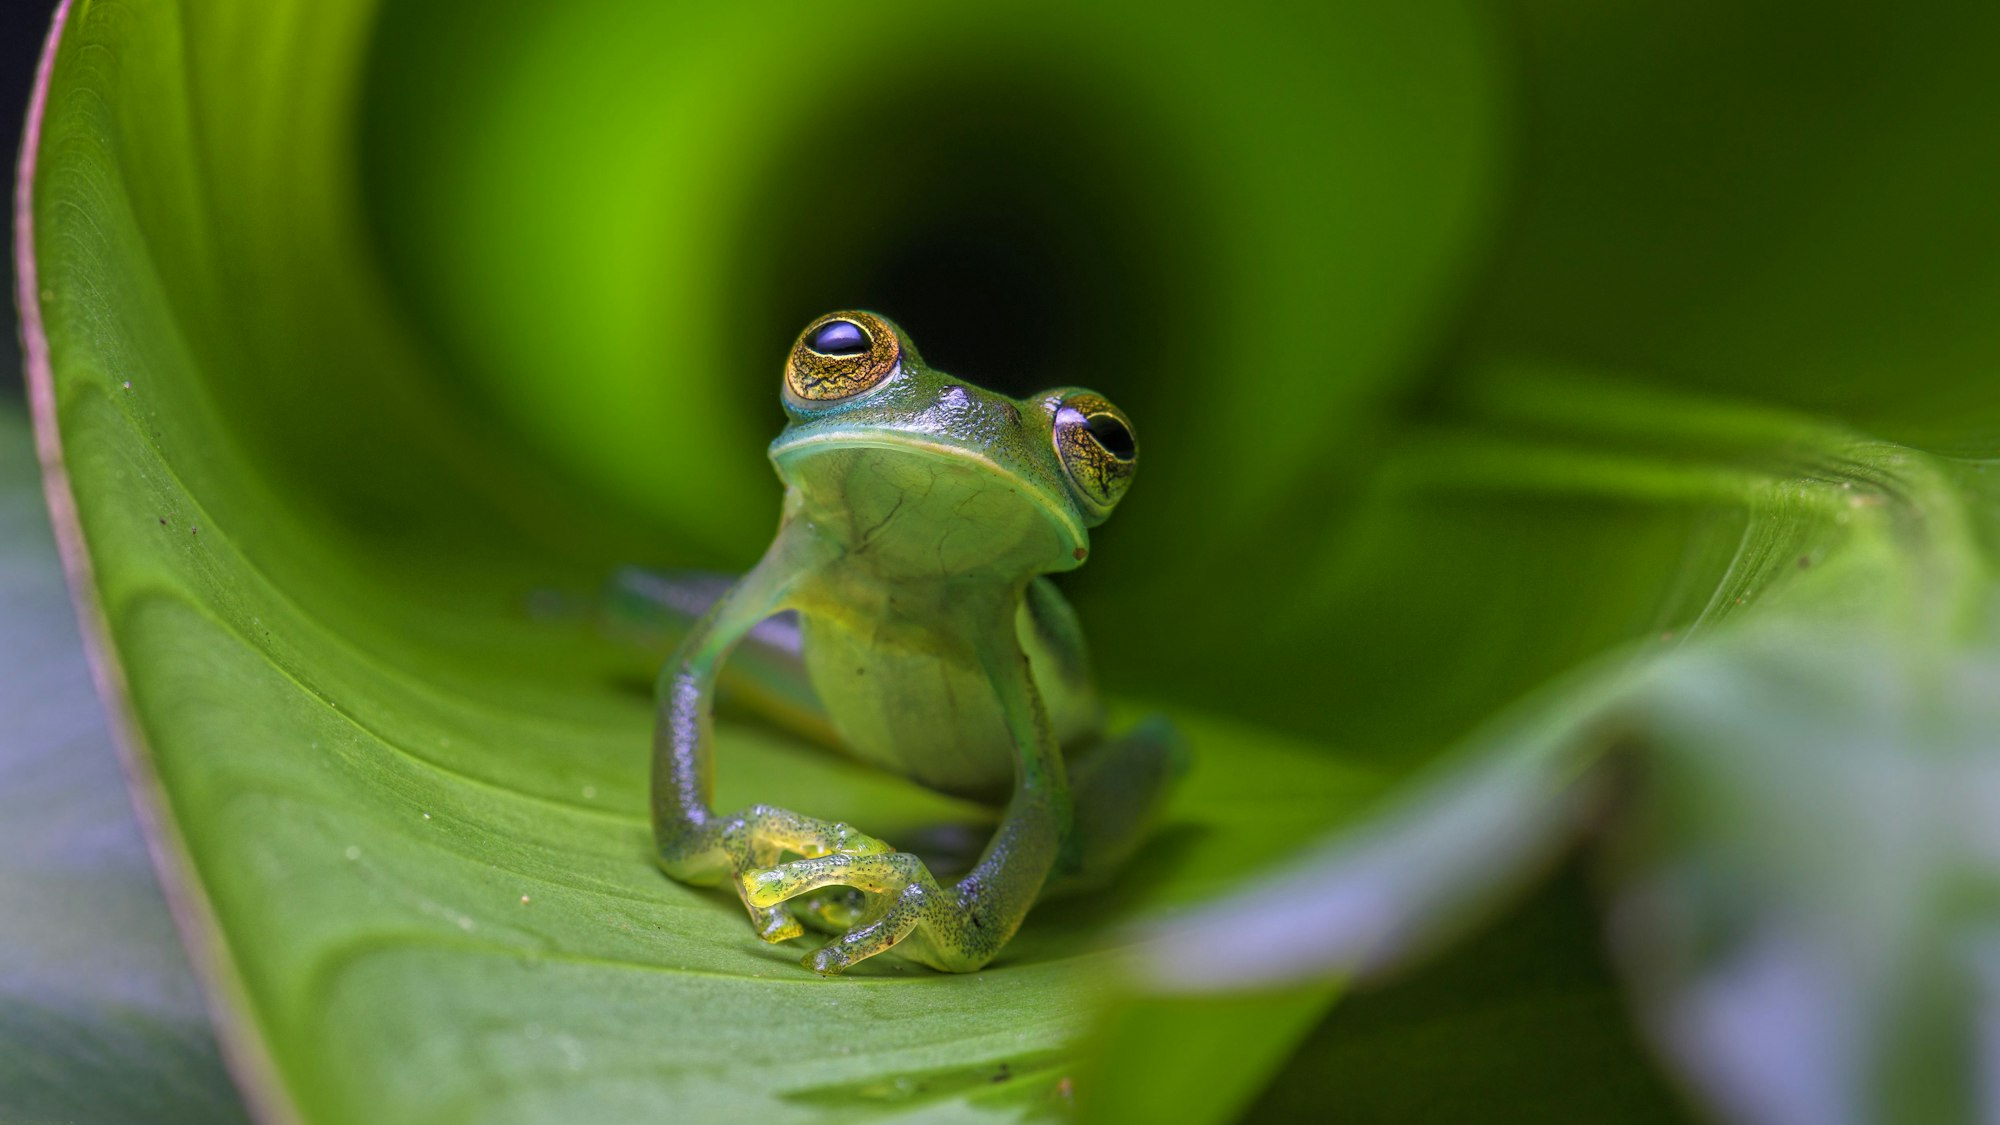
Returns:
(401,321)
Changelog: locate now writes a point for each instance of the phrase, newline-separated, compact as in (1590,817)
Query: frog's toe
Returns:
(894,919)
(776,924)
(762,832)
(827,960)
(845,839)
(881,874)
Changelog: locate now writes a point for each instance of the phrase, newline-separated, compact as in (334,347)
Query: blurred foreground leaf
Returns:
(100,1019)
(1794,796)
(1775,204)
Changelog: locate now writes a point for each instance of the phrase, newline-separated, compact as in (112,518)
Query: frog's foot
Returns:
(902,898)
(754,839)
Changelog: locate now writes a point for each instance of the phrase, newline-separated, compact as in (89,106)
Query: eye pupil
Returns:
(839,337)
(1112,434)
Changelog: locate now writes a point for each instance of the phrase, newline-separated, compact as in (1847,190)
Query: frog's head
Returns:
(936,476)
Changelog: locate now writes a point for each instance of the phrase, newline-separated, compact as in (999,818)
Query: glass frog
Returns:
(921,518)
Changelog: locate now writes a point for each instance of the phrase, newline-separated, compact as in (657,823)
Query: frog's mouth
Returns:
(792,454)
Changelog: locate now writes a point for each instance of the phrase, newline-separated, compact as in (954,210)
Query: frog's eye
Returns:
(841,355)
(1094,439)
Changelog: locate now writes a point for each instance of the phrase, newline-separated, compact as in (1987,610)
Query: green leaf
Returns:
(1795,796)
(1807,227)
(1707,208)
(100,1018)
(376,339)
(336,493)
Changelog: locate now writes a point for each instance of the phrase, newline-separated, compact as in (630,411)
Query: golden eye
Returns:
(841,355)
(1094,439)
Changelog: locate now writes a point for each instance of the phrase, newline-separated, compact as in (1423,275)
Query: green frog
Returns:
(907,592)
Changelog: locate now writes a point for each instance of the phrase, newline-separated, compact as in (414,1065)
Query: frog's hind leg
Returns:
(1119,788)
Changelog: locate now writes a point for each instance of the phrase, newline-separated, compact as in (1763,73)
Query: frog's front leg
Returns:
(957,928)
(695,844)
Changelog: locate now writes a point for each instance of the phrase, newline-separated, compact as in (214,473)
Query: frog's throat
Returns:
(787,448)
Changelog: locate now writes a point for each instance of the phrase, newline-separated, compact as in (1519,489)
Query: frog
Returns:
(905,608)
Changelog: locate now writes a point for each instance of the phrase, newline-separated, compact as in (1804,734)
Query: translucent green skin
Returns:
(919,518)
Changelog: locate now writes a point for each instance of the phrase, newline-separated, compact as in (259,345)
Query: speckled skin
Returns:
(920,516)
